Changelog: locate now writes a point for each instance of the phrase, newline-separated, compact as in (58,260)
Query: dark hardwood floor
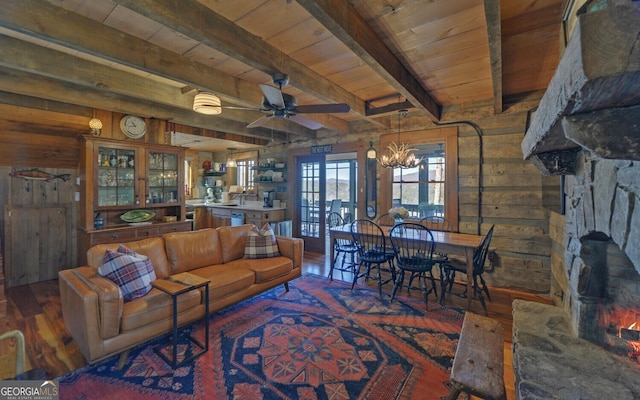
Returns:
(35,310)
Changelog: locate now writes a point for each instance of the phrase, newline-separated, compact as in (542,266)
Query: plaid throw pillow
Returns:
(261,243)
(132,272)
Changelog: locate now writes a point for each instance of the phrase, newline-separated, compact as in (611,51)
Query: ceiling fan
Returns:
(282,105)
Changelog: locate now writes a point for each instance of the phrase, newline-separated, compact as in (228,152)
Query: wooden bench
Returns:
(478,364)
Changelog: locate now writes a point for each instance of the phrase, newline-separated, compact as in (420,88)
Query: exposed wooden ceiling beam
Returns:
(346,24)
(24,83)
(32,58)
(215,31)
(494,31)
(44,21)
(53,24)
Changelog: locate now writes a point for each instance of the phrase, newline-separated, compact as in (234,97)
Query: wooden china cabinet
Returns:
(120,176)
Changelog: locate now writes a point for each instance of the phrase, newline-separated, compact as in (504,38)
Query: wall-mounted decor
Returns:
(38,175)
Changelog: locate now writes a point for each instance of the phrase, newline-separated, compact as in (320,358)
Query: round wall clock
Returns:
(133,126)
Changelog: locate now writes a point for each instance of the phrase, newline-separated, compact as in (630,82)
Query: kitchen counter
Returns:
(244,207)
(248,206)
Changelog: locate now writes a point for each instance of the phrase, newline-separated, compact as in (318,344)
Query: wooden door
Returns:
(37,241)
(310,211)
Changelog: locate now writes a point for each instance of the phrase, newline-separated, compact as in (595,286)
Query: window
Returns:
(432,187)
(245,162)
(245,173)
(421,190)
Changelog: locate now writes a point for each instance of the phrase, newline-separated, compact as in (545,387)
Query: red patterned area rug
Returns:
(320,340)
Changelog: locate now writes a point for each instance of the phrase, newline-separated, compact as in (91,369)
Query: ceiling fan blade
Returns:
(306,122)
(260,121)
(273,95)
(323,108)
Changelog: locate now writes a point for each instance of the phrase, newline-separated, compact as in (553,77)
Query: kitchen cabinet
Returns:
(118,176)
(259,218)
(219,217)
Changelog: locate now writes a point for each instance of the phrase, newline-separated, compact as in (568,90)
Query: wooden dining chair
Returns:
(453,266)
(413,247)
(21,373)
(341,247)
(373,252)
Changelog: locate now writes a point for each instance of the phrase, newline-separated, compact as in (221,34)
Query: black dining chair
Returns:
(341,247)
(373,252)
(436,223)
(453,266)
(413,246)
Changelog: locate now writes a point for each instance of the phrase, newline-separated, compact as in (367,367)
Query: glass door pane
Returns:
(163,177)
(116,177)
(312,186)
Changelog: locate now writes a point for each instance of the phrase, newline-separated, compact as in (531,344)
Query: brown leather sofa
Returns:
(102,324)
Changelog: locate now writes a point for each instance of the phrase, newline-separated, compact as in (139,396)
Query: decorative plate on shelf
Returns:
(135,216)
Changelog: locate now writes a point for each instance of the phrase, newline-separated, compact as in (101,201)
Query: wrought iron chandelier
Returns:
(400,155)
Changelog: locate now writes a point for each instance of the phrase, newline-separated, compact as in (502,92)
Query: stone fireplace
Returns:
(601,292)
(587,128)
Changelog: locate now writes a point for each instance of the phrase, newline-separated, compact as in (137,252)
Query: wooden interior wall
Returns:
(515,196)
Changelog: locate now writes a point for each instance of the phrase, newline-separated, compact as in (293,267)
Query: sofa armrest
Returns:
(292,248)
(92,308)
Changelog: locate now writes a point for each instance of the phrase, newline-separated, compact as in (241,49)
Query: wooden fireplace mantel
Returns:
(593,100)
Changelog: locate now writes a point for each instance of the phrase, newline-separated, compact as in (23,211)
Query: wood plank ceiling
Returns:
(149,57)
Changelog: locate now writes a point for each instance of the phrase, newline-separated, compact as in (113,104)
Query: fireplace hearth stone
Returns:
(551,362)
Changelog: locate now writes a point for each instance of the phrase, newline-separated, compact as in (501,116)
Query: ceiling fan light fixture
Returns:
(207,103)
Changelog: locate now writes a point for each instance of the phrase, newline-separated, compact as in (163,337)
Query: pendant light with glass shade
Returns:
(231,162)
(400,155)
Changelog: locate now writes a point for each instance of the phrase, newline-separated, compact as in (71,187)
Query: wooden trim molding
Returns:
(449,136)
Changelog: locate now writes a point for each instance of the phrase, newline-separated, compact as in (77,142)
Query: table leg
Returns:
(469,252)
(174,344)
(331,239)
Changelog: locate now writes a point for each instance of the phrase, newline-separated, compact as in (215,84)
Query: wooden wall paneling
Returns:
(22,149)
(38,243)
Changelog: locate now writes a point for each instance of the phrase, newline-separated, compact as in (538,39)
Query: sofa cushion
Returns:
(151,247)
(233,239)
(226,279)
(266,269)
(154,307)
(190,250)
(261,243)
(132,274)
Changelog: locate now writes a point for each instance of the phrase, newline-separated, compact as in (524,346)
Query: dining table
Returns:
(461,244)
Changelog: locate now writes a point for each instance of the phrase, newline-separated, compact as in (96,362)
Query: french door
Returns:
(311,200)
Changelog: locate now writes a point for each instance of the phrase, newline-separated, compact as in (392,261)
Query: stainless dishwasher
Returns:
(237,218)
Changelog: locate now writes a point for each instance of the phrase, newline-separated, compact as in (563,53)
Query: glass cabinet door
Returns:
(116,177)
(163,177)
